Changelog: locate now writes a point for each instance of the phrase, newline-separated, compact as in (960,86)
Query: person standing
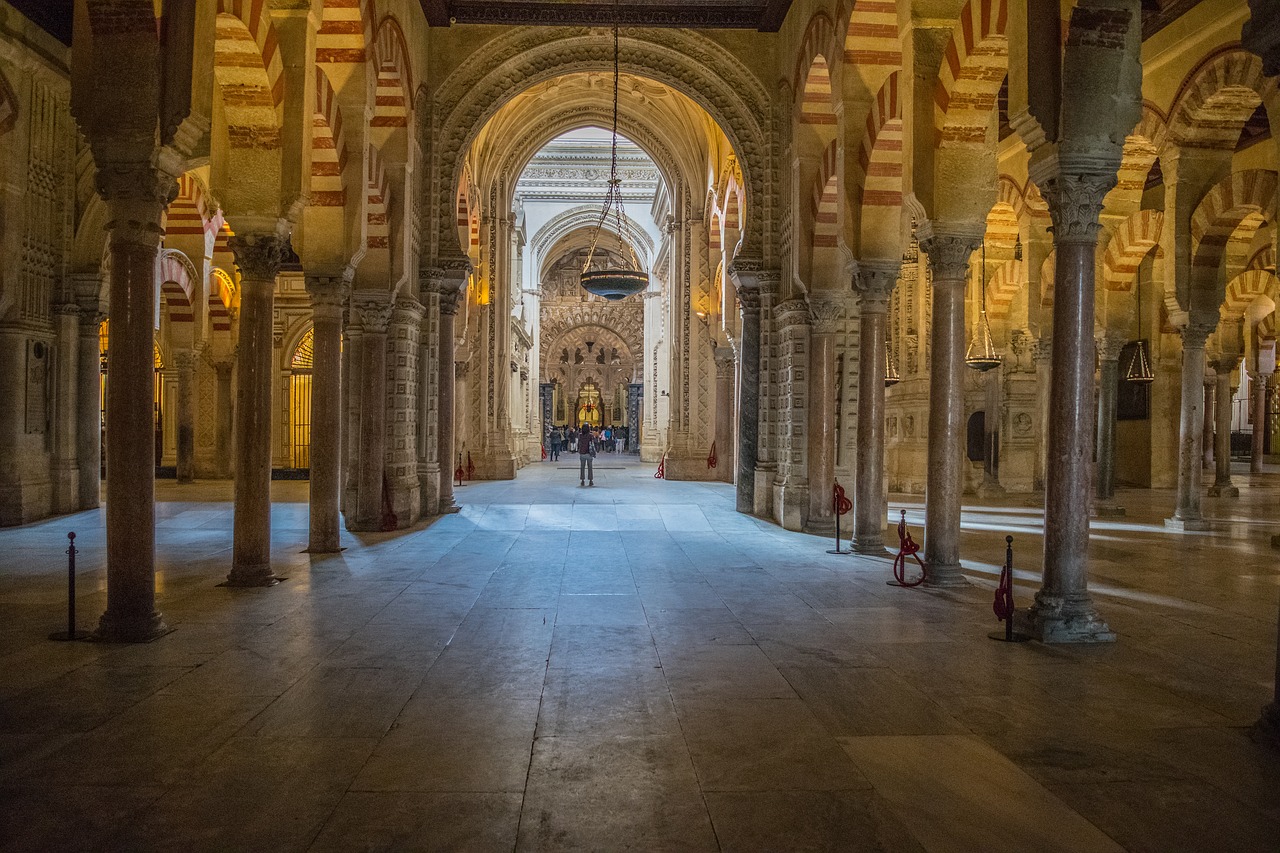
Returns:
(555,444)
(586,453)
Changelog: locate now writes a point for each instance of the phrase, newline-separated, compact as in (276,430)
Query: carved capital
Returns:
(184,361)
(408,310)
(1075,203)
(65,309)
(792,312)
(258,255)
(328,294)
(949,255)
(1109,347)
(1195,334)
(874,282)
(1043,349)
(136,195)
(371,311)
(825,312)
(725,363)
(91,318)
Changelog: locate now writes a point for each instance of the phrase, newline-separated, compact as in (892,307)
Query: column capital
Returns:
(1043,348)
(371,311)
(873,282)
(328,293)
(184,360)
(825,311)
(792,312)
(1109,347)
(1075,203)
(408,310)
(449,281)
(258,255)
(725,362)
(949,248)
(1194,334)
(136,194)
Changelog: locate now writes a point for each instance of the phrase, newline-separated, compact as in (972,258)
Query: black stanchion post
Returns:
(1003,605)
(71,633)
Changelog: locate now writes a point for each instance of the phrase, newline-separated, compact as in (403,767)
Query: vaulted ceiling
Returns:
(764,15)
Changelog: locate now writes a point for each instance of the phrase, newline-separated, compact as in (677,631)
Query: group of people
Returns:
(586,442)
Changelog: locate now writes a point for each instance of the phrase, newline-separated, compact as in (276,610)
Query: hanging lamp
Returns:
(613,284)
(982,355)
(890,369)
(1140,365)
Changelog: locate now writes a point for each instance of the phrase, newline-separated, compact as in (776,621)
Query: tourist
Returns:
(586,453)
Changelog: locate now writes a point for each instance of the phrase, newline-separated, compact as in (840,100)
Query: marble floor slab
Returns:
(636,666)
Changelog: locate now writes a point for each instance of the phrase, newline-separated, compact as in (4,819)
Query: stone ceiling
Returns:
(764,15)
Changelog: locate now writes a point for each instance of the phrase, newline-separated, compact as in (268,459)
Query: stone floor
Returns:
(636,666)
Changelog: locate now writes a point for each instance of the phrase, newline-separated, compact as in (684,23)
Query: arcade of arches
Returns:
(340,240)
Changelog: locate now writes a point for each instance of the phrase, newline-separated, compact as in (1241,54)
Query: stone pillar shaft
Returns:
(1206,436)
(874,285)
(1222,485)
(748,397)
(186,412)
(327,297)
(1258,400)
(1186,515)
(89,410)
(372,310)
(724,414)
(224,428)
(944,482)
(66,474)
(449,297)
(824,313)
(258,256)
(131,614)
(1108,387)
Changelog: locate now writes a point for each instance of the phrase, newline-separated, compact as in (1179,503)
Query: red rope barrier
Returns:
(840,504)
(907,547)
(661,473)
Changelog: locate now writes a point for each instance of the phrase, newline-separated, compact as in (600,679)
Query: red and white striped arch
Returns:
(1243,290)
(826,199)
(187,214)
(1141,148)
(222,255)
(872,38)
(346,31)
(880,157)
(378,232)
(1217,98)
(1223,209)
(1129,244)
(328,147)
(973,68)
(176,276)
(812,74)
(391,103)
(1005,284)
(221,296)
(247,67)
(1267,327)
(1263,259)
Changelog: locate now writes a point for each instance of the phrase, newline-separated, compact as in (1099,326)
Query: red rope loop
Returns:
(661,473)
(711,457)
(839,503)
(907,547)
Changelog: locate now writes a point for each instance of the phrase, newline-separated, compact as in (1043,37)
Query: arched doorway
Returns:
(300,366)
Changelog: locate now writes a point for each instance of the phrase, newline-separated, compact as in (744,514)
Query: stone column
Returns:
(944,483)
(746,276)
(874,284)
(135,202)
(430,469)
(1258,402)
(1206,435)
(66,473)
(258,257)
(451,293)
(328,294)
(824,315)
(1186,514)
(1108,389)
(1044,368)
(725,370)
(186,411)
(89,409)
(1063,610)
(371,311)
(224,413)
(1222,486)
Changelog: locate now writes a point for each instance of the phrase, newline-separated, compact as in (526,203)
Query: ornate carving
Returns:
(328,294)
(824,313)
(371,311)
(258,255)
(949,255)
(725,363)
(874,282)
(1109,347)
(1195,334)
(1075,202)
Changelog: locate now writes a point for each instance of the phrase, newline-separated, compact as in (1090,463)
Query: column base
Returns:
(248,576)
(1267,729)
(871,546)
(1216,491)
(130,628)
(944,576)
(1058,619)
(324,548)
(991,490)
(820,526)
(1107,509)
(1186,525)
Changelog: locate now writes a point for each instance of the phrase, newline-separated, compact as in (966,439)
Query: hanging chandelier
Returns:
(1140,365)
(890,369)
(982,355)
(613,283)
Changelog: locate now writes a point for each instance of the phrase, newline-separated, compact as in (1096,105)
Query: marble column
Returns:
(1206,434)
(66,466)
(258,257)
(1258,401)
(747,279)
(371,311)
(224,414)
(944,482)
(825,311)
(186,411)
(1223,393)
(135,202)
(1043,356)
(1108,390)
(726,368)
(328,295)
(451,293)
(1063,610)
(1186,514)
(874,284)
(89,409)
